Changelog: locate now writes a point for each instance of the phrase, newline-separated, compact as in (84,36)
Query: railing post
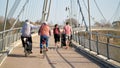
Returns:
(79,39)
(10,37)
(76,37)
(73,36)
(89,41)
(17,35)
(108,41)
(84,40)
(97,43)
(4,26)
(3,40)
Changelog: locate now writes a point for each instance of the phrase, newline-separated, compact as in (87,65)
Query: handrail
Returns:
(11,36)
(9,30)
(102,44)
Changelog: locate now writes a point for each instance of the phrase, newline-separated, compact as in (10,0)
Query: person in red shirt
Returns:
(44,33)
(56,32)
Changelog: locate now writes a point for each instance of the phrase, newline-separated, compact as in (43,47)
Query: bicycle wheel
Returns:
(25,50)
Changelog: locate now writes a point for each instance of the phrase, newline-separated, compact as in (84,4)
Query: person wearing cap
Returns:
(26,33)
(44,33)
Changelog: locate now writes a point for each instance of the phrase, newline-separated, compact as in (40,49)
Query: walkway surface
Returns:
(55,58)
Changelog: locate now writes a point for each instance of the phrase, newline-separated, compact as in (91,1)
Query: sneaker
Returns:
(46,49)
(40,51)
(66,47)
(30,52)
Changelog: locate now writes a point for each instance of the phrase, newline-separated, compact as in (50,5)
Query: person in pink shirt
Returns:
(67,30)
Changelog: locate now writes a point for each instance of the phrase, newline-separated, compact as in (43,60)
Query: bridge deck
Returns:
(60,58)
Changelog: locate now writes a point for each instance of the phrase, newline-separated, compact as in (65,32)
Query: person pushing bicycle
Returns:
(26,33)
(44,33)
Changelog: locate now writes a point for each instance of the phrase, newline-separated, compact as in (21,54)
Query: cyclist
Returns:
(44,33)
(26,33)
(67,30)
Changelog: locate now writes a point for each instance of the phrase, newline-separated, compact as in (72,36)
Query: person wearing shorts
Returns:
(67,30)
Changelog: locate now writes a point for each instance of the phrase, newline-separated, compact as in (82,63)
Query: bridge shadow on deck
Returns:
(20,55)
(92,58)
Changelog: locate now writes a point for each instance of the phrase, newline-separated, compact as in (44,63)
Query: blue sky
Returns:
(58,14)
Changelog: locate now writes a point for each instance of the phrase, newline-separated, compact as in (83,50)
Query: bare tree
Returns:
(72,22)
(116,24)
(103,23)
(97,24)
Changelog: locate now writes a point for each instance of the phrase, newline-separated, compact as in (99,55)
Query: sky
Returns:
(58,14)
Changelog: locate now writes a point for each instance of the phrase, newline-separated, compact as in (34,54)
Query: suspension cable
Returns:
(87,10)
(5,20)
(56,9)
(116,11)
(22,15)
(13,9)
(19,14)
(80,9)
(85,5)
(4,26)
(99,10)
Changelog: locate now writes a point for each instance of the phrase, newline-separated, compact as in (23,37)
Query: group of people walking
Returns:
(67,30)
(45,33)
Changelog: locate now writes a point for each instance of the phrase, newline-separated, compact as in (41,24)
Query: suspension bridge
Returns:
(92,47)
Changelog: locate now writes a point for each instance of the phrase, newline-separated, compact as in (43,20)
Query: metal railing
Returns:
(103,44)
(8,37)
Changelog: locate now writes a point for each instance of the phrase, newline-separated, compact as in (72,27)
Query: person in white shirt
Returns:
(26,33)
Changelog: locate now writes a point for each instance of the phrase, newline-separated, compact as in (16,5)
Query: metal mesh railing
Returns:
(103,44)
(7,37)
(10,36)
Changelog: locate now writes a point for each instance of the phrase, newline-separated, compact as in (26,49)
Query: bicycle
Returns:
(26,47)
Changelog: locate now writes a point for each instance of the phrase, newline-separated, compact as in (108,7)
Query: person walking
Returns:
(68,31)
(44,33)
(56,32)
